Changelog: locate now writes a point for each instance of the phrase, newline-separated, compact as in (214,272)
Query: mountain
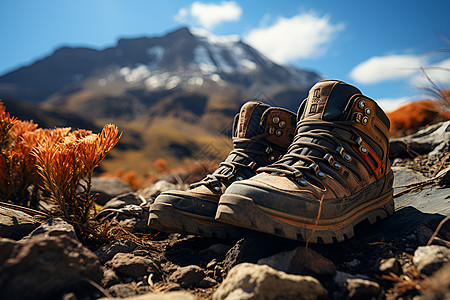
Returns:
(184,77)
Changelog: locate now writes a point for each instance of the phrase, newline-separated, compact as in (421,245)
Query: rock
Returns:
(107,252)
(106,188)
(54,227)
(6,248)
(437,287)
(151,192)
(250,281)
(129,265)
(166,296)
(362,289)
(44,267)
(390,265)
(122,291)
(429,259)
(422,142)
(300,261)
(123,200)
(207,282)
(110,278)
(15,224)
(189,276)
(254,247)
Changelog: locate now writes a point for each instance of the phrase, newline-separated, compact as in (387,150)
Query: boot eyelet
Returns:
(282,124)
(217,188)
(337,165)
(358,140)
(321,174)
(239,178)
(358,117)
(368,111)
(272,158)
(363,150)
(269,150)
(302,181)
(340,150)
(275,120)
(347,157)
(279,132)
(361,104)
(365,120)
(271,129)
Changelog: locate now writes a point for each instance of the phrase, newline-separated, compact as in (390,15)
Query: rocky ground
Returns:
(403,257)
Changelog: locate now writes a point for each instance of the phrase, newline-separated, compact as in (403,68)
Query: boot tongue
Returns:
(327,101)
(249,119)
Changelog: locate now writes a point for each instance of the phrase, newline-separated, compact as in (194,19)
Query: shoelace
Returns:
(289,164)
(242,148)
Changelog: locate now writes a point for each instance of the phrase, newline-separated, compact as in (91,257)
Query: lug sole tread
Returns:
(242,211)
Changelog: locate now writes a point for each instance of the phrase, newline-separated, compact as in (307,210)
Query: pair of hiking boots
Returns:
(310,177)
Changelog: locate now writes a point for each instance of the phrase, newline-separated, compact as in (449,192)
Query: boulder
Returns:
(15,224)
(421,142)
(250,281)
(46,266)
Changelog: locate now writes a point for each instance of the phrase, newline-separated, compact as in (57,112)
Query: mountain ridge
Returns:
(183,78)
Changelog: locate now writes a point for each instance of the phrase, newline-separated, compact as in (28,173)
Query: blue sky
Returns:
(378,46)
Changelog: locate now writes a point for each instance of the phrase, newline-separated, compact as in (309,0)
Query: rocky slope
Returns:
(406,256)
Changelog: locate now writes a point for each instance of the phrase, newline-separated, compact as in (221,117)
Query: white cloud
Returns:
(181,15)
(302,36)
(210,15)
(382,68)
(439,73)
(391,104)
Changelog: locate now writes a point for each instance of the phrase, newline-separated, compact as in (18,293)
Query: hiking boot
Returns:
(335,174)
(261,134)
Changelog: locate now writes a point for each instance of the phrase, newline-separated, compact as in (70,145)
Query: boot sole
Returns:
(165,217)
(242,211)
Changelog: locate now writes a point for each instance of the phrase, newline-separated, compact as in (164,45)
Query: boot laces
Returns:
(295,165)
(242,147)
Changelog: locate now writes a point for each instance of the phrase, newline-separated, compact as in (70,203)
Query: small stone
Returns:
(189,276)
(107,252)
(362,289)
(250,281)
(129,265)
(15,224)
(122,291)
(54,227)
(207,282)
(300,261)
(123,200)
(106,188)
(429,259)
(109,278)
(390,265)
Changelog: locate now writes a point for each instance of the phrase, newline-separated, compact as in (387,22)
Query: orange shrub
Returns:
(410,117)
